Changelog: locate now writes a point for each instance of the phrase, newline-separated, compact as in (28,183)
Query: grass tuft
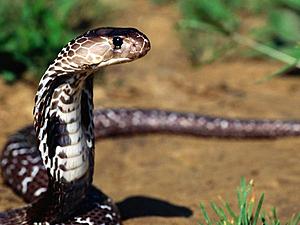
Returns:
(248,214)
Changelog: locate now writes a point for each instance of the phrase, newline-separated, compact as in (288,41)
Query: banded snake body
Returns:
(51,164)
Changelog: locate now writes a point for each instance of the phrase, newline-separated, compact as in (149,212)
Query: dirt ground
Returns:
(182,171)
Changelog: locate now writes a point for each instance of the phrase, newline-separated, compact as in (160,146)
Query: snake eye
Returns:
(117,41)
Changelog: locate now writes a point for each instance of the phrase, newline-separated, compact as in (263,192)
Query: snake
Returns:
(50,164)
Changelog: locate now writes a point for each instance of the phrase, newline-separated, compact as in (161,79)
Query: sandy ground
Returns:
(182,171)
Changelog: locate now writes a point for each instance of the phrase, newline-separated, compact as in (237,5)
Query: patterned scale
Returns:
(116,122)
(22,167)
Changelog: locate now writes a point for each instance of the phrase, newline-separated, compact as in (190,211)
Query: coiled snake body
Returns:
(51,164)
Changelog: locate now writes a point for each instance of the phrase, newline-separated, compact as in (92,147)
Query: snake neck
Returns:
(66,144)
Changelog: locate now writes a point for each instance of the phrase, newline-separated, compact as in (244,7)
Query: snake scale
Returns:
(50,165)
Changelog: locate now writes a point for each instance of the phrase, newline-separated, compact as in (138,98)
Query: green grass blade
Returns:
(260,202)
(242,213)
(250,208)
(219,211)
(278,73)
(231,212)
(296,220)
(206,217)
(274,217)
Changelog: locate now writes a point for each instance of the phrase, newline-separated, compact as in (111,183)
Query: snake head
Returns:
(106,46)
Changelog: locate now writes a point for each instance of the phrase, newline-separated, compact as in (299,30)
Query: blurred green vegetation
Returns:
(211,28)
(33,32)
(250,213)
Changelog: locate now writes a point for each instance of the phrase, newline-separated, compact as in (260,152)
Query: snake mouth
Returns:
(146,47)
(105,63)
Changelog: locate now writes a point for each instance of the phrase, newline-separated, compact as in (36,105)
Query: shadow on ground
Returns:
(142,206)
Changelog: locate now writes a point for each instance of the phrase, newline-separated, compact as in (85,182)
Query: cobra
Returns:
(63,122)
(51,164)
